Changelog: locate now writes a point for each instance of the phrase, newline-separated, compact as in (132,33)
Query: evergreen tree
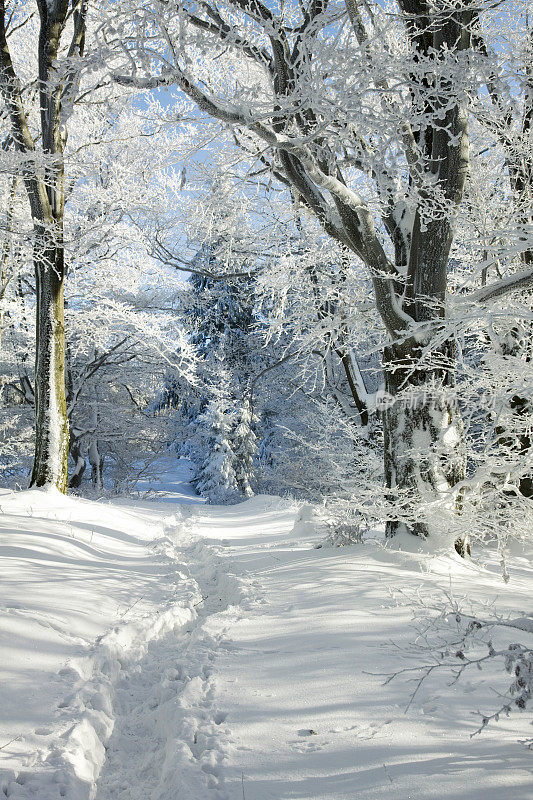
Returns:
(220,314)
(244,447)
(216,478)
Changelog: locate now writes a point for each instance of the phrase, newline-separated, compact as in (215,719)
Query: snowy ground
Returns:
(167,650)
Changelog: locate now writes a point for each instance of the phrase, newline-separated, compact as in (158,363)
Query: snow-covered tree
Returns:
(219,315)
(244,445)
(216,477)
(38,140)
(120,343)
(363,115)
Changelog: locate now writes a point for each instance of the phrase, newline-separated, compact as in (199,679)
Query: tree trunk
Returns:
(50,465)
(43,175)
(79,462)
(424,454)
(97,465)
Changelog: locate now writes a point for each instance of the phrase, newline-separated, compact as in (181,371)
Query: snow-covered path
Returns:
(169,737)
(241,664)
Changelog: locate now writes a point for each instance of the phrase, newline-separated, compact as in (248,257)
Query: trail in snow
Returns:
(84,591)
(169,736)
(213,653)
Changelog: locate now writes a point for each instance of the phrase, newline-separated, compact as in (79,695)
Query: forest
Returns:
(270,257)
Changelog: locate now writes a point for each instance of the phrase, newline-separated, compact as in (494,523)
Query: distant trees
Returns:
(219,314)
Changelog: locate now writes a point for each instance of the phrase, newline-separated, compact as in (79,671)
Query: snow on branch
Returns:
(516,282)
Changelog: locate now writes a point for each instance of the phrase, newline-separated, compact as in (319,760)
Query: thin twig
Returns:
(11,741)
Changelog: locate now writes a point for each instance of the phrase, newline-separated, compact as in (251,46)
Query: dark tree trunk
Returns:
(79,462)
(97,465)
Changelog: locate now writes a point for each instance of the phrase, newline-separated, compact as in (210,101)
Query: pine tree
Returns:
(244,447)
(221,316)
(216,478)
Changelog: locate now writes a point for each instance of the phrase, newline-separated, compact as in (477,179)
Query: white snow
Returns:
(165,650)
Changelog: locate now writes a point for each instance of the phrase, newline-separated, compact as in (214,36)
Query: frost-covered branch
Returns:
(457,641)
(518,281)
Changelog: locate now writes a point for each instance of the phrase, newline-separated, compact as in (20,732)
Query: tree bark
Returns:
(97,465)
(50,465)
(79,463)
(424,453)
